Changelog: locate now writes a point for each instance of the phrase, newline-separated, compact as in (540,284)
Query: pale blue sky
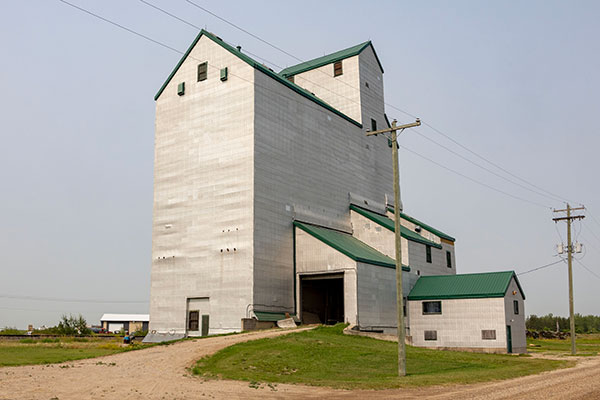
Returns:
(517,82)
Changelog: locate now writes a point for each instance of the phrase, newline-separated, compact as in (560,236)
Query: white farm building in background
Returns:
(269,198)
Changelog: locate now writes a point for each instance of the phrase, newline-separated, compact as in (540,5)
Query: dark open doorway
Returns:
(322,298)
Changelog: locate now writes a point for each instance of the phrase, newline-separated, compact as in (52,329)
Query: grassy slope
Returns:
(327,357)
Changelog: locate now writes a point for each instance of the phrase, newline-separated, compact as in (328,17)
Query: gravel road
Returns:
(161,373)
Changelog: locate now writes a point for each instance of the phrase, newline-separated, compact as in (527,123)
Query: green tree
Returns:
(73,325)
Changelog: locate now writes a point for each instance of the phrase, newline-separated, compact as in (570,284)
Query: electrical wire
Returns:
(68,300)
(321,110)
(589,270)
(242,29)
(542,267)
(473,180)
(199,28)
(292,99)
(548,195)
(480,166)
(592,232)
(592,216)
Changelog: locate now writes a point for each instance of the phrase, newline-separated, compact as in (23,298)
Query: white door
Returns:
(115,326)
(196,308)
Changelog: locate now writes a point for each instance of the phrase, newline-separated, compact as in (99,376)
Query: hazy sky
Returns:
(516,82)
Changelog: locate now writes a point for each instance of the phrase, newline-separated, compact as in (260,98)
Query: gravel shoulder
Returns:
(161,372)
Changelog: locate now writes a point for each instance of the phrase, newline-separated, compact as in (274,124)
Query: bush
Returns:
(73,326)
(11,331)
(583,323)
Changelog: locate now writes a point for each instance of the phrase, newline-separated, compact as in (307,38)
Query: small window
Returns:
(224,74)
(202,71)
(337,69)
(373,125)
(488,334)
(432,307)
(430,335)
(404,306)
(291,78)
(181,89)
(193,319)
(428,253)
(448,259)
(516,306)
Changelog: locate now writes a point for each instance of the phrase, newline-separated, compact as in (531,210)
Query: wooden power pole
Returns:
(397,228)
(569,218)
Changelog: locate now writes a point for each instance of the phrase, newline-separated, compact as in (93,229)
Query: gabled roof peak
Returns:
(250,61)
(464,286)
(328,59)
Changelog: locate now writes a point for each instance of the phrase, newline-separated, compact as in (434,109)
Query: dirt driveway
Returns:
(160,373)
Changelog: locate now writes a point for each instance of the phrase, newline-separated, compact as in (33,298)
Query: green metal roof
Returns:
(255,64)
(328,59)
(389,224)
(424,225)
(349,245)
(269,316)
(463,286)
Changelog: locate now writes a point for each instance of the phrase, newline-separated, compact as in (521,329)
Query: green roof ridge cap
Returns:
(388,223)
(423,225)
(253,63)
(329,59)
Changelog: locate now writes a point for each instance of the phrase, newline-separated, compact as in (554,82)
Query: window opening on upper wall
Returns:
(202,71)
(337,69)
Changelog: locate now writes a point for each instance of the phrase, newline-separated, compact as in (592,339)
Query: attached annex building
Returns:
(269,199)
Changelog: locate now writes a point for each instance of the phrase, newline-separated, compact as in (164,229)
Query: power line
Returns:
(322,110)
(492,163)
(594,218)
(473,180)
(588,243)
(242,29)
(292,99)
(199,28)
(560,198)
(482,167)
(542,267)
(67,300)
(352,100)
(589,270)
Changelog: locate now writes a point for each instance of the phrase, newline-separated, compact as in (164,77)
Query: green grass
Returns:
(11,356)
(326,357)
(587,345)
(31,351)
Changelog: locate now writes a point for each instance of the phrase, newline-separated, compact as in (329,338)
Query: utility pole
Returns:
(397,229)
(569,218)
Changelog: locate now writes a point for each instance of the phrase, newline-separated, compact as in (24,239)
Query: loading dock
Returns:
(322,298)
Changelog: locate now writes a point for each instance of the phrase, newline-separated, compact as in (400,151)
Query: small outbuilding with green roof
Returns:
(480,312)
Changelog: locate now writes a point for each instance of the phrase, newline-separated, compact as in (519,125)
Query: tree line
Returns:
(583,323)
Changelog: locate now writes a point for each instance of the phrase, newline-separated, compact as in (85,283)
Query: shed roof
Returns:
(463,286)
(389,224)
(349,245)
(328,59)
(255,64)
(126,317)
(269,316)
